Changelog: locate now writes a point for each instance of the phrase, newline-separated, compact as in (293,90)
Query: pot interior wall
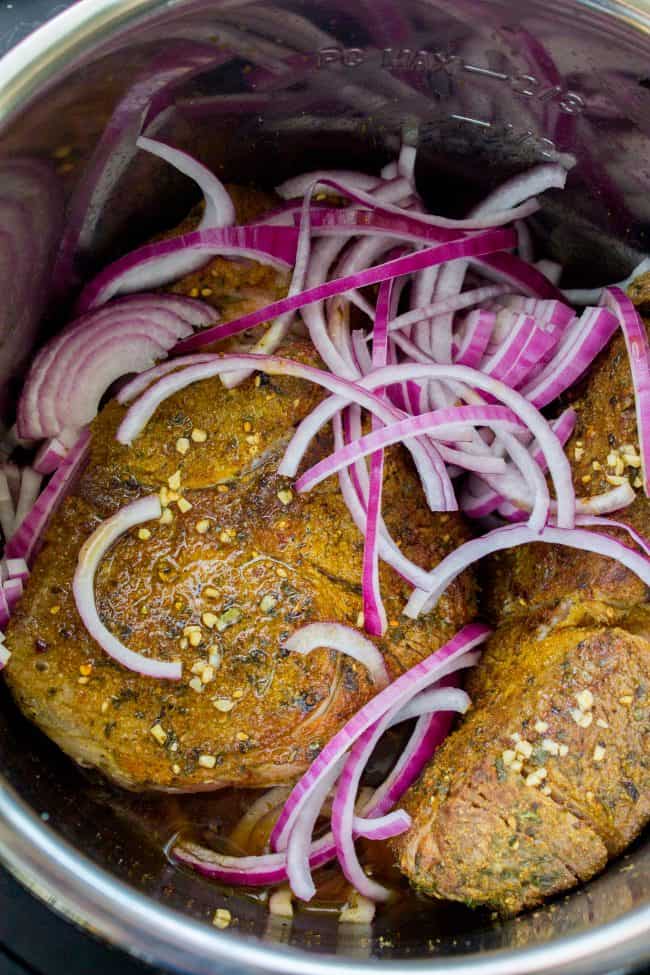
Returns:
(472,84)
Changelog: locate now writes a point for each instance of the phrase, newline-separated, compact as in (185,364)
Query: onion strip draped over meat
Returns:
(92,552)
(460,340)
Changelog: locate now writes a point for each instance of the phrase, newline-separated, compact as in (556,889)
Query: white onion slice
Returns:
(345,639)
(92,552)
(512,536)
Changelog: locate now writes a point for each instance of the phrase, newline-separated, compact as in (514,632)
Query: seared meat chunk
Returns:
(534,792)
(549,774)
(218,585)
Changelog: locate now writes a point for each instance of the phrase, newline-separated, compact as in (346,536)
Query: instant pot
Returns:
(483,88)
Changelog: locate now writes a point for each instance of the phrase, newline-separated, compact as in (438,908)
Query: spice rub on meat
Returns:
(219,586)
(548,776)
(237,563)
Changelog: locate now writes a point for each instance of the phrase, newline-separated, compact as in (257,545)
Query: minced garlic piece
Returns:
(159,734)
(229,618)
(585,700)
(222,918)
(224,704)
(208,674)
(268,603)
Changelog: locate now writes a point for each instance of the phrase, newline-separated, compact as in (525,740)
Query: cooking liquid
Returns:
(225,835)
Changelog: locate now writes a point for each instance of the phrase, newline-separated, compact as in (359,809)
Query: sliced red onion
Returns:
(554,315)
(30,485)
(441,423)
(388,549)
(47,403)
(12,474)
(396,190)
(44,406)
(277,331)
(517,274)
(573,357)
(374,613)
(438,699)
(341,223)
(26,541)
(509,347)
(422,292)
(219,209)
(550,269)
(300,841)
(480,499)
(362,354)
(343,811)
(355,258)
(13,590)
(7,508)
(154,265)
(314,316)
(428,734)
(5,616)
(139,383)
(15,569)
(143,409)
(117,148)
(533,182)
(515,535)
(443,699)
(346,792)
(557,461)
(395,695)
(520,358)
(598,504)
(389,171)
(406,163)
(362,744)
(484,221)
(474,339)
(480,243)
(638,351)
(50,456)
(191,310)
(83,586)
(271,868)
(298,185)
(344,639)
(597,522)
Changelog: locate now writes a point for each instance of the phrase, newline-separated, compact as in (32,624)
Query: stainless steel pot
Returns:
(484,87)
